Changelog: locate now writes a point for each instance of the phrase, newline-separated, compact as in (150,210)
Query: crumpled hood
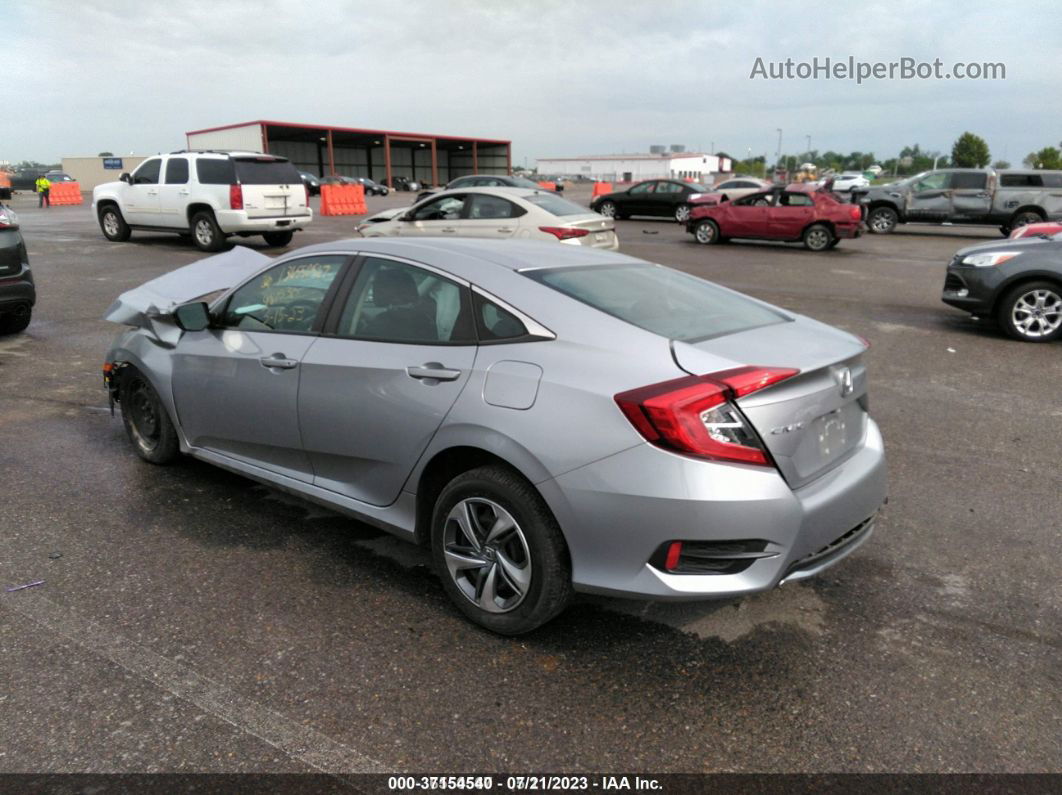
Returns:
(161,296)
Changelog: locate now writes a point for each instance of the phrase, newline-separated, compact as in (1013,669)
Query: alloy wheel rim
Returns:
(682,214)
(818,239)
(1037,313)
(705,233)
(110,223)
(881,222)
(608,209)
(203,232)
(487,555)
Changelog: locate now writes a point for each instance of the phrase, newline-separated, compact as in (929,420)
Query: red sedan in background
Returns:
(794,213)
(1047,229)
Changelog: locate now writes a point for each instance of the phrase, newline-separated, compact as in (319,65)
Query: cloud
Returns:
(558,78)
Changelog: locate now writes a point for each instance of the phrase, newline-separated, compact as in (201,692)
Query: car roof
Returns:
(510,255)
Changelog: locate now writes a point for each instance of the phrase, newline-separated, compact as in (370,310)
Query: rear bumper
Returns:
(616,513)
(234,221)
(17,288)
(850,230)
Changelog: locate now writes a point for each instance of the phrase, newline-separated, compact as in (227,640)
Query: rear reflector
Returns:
(695,415)
(235,197)
(564,232)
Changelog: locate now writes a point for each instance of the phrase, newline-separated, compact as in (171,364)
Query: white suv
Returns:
(207,195)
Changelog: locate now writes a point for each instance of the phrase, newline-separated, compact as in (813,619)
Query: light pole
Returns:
(778,154)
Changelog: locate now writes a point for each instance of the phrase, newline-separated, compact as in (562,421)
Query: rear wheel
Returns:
(682,213)
(113,224)
(206,233)
(817,237)
(145,419)
(499,552)
(706,233)
(1032,312)
(15,320)
(278,238)
(882,220)
(607,209)
(1024,218)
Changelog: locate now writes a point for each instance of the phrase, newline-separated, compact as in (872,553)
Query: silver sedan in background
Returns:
(496,214)
(547,419)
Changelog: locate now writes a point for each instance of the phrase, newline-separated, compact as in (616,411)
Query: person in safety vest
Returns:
(44,185)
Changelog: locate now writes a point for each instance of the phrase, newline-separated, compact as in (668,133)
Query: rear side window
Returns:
(214,171)
(267,172)
(661,300)
(554,204)
(965,180)
(177,171)
(494,323)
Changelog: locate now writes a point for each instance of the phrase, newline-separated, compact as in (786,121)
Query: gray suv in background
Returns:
(1007,199)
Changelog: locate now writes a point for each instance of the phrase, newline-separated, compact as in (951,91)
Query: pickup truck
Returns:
(1006,198)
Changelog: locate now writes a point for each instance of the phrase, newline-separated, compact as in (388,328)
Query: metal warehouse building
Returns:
(627,168)
(357,152)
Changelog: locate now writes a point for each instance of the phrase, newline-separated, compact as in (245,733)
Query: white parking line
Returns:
(297,741)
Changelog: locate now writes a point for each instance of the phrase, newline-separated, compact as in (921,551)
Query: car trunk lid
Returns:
(810,422)
(602,230)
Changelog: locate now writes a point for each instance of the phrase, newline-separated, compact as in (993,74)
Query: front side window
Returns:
(661,300)
(448,208)
(395,302)
(148,172)
(287,297)
(937,181)
(177,171)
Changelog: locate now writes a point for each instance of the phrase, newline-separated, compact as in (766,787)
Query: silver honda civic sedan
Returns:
(546,419)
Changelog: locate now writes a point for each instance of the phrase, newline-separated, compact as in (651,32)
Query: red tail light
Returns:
(695,415)
(235,197)
(856,213)
(564,232)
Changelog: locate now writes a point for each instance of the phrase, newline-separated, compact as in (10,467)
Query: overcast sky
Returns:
(557,78)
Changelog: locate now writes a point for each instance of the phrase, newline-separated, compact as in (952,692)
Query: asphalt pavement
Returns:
(192,620)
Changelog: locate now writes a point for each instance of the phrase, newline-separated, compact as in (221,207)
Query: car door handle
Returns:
(433,371)
(184,192)
(505,229)
(448,229)
(279,362)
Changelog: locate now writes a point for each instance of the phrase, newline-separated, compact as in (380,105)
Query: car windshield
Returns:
(555,204)
(661,300)
(521,182)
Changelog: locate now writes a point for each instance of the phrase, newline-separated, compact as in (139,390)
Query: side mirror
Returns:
(126,178)
(192,317)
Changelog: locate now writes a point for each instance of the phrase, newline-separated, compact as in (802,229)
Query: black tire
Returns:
(1024,218)
(278,238)
(608,209)
(16,320)
(206,234)
(817,237)
(113,225)
(706,232)
(682,213)
(834,242)
(882,220)
(146,422)
(1049,296)
(542,544)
